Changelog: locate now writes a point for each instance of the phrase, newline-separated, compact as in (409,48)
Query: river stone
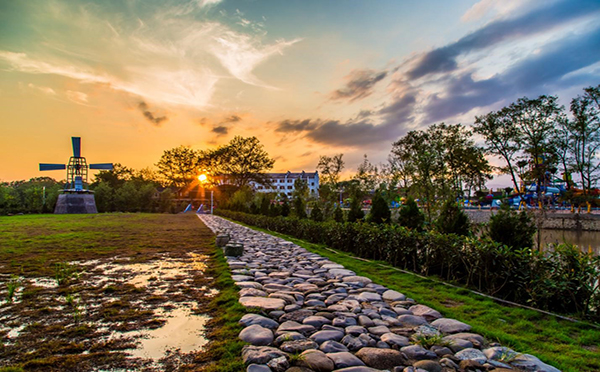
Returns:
(258,368)
(447,325)
(344,359)
(427,330)
(254,285)
(393,339)
(315,360)
(381,358)
(316,321)
(291,326)
(298,346)
(411,320)
(391,295)
(379,330)
(280,364)
(426,312)
(355,330)
(332,266)
(327,335)
(417,352)
(343,322)
(474,338)
(428,365)
(296,316)
(357,279)
(288,336)
(365,321)
(299,369)
(252,292)
(471,354)
(498,352)
(251,319)
(256,335)
(338,273)
(458,344)
(357,369)
(530,363)
(263,303)
(260,354)
(332,347)
(368,297)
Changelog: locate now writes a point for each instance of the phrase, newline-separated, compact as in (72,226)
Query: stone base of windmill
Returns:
(75,203)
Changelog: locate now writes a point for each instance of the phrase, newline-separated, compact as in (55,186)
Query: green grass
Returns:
(569,346)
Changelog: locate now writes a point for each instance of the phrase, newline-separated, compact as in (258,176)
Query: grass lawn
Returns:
(566,345)
(85,284)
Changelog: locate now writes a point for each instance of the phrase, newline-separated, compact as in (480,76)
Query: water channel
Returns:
(585,240)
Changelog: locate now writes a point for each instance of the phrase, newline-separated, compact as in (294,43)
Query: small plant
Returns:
(427,341)
(507,355)
(452,220)
(74,303)
(380,212)
(13,284)
(296,357)
(63,273)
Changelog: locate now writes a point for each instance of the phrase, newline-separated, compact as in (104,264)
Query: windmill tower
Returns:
(76,198)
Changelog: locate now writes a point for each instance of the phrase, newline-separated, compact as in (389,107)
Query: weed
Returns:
(427,341)
(507,355)
(296,357)
(63,273)
(13,284)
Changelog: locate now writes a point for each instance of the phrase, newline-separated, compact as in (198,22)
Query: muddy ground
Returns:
(104,292)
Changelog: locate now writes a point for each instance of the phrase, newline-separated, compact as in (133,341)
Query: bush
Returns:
(316,214)
(380,212)
(356,213)
(410,216)
(285,207)
(452,220)
(299,207)
(338,214)
(510,228)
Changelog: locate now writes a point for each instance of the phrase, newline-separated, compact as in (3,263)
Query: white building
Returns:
(283,183)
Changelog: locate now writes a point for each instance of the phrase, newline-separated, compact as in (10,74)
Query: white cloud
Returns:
(45,90)
(494,8)
(77,97)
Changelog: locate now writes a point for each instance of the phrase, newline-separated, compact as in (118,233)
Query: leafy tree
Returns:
(115,177)
(338,214)
(274,210)
(329,168)
(452,219)
(367,175)
(410,215)
(380,212)
(265,202)
(179,166)
(513,229)
(241,161)
(355,213)
(285,207)
(316,214)
(584,135)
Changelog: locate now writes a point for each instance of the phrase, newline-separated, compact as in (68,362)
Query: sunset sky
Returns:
(308,78)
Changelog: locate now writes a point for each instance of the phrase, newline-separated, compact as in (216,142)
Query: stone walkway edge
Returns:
(318,316)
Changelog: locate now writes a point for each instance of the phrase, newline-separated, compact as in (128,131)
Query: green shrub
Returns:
(355,213)
(380,212)
(411,216)
(513,229)
(338,214)
(316,214)
(299,207)
(452,220)
(285,207)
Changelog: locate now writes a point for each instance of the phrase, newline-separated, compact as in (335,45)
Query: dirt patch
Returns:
(451,303)
(131,300)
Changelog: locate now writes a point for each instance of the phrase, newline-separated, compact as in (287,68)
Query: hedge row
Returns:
(563,280)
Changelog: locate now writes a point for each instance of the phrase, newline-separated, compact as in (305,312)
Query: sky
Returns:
(134,78)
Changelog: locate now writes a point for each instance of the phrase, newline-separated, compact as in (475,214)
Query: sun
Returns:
(202,178)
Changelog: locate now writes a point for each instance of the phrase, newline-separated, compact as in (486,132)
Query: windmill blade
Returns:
(47,166)
(76,146)
(104,166)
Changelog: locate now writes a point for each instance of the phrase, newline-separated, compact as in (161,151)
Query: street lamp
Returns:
(203,178)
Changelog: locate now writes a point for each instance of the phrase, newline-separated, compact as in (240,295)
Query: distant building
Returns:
(283,183)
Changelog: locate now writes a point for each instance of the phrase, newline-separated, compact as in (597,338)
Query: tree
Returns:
(452,220)
(501,137)
(316,214)
(338,214)
(380,212)
(584,132)
(179,166)
(285,206)
(410,215)
(355,213)
(329,168)
(367,175)
(511,228)
(241,161)
(300,195)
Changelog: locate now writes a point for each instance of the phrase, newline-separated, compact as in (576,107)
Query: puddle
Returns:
(183,331)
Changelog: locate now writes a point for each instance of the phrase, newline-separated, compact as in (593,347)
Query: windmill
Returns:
(75,197)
